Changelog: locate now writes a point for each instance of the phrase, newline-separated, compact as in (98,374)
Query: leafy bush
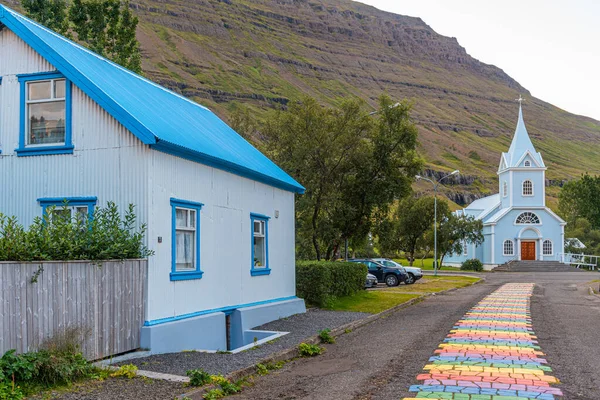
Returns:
(325,336)
(199,377)
(9,391)
(128,371)
(320,282)
(472,265)
(104,236)
(309,350)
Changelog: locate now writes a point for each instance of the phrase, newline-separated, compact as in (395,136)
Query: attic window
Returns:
(45,126)
(528,163)
(528,218)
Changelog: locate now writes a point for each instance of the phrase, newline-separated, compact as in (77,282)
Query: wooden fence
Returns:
(40,300)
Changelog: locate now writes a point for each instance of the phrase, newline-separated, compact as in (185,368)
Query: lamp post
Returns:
(435,187)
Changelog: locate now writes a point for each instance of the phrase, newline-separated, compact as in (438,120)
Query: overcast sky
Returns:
(551,47)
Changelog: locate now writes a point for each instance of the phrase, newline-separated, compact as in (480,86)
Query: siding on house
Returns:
(225,236)
(108,161)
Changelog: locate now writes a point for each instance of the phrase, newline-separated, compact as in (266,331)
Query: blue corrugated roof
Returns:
(158,117)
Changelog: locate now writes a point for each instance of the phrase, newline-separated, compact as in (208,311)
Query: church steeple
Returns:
(521,145)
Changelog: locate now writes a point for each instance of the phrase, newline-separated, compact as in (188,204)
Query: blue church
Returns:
(517,225)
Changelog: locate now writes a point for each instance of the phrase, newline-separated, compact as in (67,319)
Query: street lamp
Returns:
(435,186)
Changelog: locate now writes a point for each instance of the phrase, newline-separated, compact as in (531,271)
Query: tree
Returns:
(353,166)
(581,199)
(407,227)
(50,13)
(107,27)
(455,231)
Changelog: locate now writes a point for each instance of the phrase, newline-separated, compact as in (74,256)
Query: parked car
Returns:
(414,273)
(371,281)
(390,276)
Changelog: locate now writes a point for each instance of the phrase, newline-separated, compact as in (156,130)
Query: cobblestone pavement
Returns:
(490,354)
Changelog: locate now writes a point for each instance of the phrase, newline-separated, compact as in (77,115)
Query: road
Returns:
(382,360)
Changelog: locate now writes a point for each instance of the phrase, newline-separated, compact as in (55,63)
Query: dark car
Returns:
(387,275)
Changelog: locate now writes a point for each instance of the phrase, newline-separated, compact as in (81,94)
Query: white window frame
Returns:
(532,223)
(52,99)
(523,188)
(551,251)
(192,211)
(512,247)
(465,248)
(505,189)
(263,232)
(527,163)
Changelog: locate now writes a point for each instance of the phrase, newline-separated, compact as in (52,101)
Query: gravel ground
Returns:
(300,327)
(120,388)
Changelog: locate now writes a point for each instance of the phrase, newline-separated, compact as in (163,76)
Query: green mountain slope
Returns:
(262,53)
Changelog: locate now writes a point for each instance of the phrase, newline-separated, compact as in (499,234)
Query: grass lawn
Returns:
(427,264)
(375,301)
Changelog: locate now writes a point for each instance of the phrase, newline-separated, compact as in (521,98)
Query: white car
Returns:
(371,281)
(414,273)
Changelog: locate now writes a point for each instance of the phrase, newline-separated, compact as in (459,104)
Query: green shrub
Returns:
(8,391)
(309,350)
(325,336)
(214,394)
(105,236)
(472,265)
(320,282)
(128,371)
(199,377)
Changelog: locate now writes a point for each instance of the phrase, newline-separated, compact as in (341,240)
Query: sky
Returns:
(551,47)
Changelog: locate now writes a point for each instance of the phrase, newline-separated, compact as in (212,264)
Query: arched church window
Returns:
(505,189)
(527,188)
(528,218)
(509,248)
(528,163)
(547,247)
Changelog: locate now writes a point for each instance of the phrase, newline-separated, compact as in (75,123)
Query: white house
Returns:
(220,215)
(517,225)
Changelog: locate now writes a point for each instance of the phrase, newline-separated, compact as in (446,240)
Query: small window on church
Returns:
(527,218)
(509,248)
(547,247)
(528,188)
(528,163)
(464,246)
(505,189)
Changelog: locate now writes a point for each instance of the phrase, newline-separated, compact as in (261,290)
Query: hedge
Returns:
(472,265)
(320,282)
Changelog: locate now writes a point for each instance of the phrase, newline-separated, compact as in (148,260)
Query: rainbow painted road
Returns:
(491,354)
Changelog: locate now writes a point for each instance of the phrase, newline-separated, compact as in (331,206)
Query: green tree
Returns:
(581,199)
(107,27)
(455,231)
(408,225)
(353,166)
(50,13)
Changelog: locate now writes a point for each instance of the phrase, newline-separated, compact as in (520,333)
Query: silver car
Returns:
(371,281)
(414,273)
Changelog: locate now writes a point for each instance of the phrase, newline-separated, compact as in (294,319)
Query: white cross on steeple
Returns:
(520,100)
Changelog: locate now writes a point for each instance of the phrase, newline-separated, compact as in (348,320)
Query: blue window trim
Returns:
(90,202)
(67,148)
(184,275)
(261,270)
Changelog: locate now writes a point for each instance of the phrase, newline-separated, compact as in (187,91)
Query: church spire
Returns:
(521,143)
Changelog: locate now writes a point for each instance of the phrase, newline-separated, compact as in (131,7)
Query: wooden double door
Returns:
(528,251)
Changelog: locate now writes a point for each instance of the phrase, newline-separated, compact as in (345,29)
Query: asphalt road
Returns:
(382,359)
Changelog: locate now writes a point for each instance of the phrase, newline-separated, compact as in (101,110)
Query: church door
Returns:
(527,250)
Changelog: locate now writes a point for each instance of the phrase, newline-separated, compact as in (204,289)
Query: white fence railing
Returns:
(580,260)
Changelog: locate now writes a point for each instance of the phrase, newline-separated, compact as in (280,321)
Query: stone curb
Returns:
(292,352)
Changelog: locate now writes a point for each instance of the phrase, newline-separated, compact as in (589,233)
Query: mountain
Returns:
(266,53)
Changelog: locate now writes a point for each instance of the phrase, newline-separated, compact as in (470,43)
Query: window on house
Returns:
(547,247)
(527,218)
(185,240)
(509,249)
(505,189)
(45,114)
(527,188)
(464,246)
(527,163)
(260,244)
(68,208)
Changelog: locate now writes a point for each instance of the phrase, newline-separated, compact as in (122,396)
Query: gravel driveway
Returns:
(300,326)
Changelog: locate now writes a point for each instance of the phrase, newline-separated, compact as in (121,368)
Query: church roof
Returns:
(160,118)
(520,146)
(485,203)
